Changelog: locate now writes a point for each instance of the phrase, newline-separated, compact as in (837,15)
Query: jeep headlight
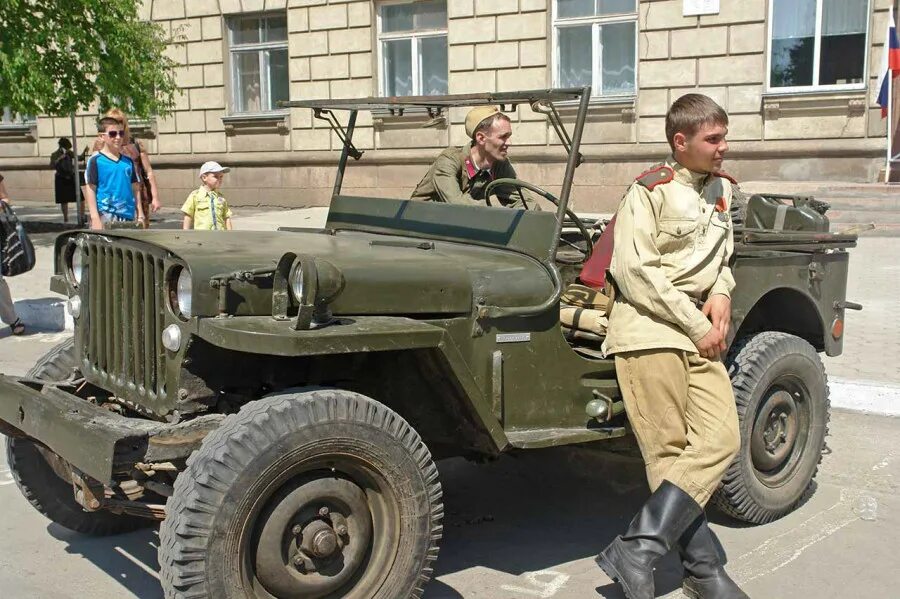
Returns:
(77,266)
(296,281)
(183,293)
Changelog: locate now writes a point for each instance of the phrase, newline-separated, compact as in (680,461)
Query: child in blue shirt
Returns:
(112,183)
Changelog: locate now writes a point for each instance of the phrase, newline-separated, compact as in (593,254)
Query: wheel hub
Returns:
(319,539)
(775,431)
(314,539)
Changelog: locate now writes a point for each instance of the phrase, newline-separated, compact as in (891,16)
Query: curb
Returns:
(868,397)
(44,315)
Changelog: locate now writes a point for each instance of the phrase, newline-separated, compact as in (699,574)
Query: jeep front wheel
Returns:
(782,403)
(312,494)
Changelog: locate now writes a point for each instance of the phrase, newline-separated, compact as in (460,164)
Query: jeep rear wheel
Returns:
(43,477)
(782,401)
(312,494)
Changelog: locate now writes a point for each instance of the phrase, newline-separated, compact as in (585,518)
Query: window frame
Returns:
(415,36)
(817,55)
(261,49)
(596,22)
(23,120)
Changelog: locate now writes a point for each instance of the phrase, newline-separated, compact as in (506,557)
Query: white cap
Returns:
(213,167)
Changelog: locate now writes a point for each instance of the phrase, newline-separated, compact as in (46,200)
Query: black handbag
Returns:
(16,249)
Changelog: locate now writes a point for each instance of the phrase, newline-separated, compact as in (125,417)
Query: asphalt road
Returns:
(529,525)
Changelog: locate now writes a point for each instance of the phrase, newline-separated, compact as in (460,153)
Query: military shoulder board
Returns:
(656,176)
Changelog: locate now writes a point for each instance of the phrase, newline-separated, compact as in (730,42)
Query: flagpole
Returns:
(890,101)
(890,126)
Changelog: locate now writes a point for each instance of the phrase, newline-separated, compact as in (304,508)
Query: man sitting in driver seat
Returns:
(460,175)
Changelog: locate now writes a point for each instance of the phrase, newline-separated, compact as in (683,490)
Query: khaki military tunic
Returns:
(455,180)
(673,241)
(672,247)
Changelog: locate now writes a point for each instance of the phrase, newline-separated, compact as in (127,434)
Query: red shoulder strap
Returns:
(656,176)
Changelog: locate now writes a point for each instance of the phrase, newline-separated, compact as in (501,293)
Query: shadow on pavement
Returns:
(524,513)
(130,559)
(535,511)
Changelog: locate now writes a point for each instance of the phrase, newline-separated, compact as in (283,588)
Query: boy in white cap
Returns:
(460,175)
(205,209)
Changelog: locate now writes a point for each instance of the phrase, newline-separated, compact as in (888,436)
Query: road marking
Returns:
(6,477)
(138,563)
(864,396)
(782,549)
(540,588)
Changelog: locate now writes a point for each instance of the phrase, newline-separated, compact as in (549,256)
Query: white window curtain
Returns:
(841,17)
(413,48)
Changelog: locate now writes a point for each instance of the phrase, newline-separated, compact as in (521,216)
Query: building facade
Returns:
(796,76)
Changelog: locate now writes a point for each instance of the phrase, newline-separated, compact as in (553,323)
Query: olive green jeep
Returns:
(278,399)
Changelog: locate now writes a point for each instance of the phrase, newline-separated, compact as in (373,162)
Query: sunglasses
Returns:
(114,134)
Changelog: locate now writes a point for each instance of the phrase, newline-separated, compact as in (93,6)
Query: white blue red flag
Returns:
(890,64)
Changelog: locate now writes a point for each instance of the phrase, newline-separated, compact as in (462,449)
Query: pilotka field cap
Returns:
(476,115)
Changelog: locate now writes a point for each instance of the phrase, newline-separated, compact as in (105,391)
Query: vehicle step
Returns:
(551,437)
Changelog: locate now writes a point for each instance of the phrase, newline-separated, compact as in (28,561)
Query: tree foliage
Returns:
(59,56)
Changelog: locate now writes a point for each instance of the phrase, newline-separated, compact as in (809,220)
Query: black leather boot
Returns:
(652,533)
(704,561)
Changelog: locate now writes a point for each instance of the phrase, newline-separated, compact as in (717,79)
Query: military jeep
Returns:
(278,399)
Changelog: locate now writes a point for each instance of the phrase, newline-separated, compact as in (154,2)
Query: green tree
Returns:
(58,57)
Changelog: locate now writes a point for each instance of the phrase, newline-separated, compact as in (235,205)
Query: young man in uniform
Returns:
(460,175)
(667,330)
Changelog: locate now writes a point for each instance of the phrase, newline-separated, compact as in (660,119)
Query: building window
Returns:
(258,53)
(818,44)
(8,118)
(595,44)
(412,46)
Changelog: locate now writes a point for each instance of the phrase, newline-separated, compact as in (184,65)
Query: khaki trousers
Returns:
(681,407)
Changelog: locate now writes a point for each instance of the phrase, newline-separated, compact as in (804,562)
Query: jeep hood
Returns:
(383,274)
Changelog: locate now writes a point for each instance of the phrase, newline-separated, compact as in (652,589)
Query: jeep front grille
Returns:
(121,337)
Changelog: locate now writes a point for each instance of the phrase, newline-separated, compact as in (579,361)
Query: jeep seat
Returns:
(583,315)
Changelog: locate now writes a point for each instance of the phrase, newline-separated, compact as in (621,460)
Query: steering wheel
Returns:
(520,185)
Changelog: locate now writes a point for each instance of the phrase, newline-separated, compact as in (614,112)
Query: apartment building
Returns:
(796,76)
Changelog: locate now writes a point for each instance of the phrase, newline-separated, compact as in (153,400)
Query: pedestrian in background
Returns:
(205,209)
(112,183)
(63,161)
(7,309)
(148,196)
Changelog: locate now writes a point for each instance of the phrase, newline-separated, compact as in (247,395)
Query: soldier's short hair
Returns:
(690,112)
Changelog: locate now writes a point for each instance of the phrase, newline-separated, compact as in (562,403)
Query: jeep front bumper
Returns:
(94,440)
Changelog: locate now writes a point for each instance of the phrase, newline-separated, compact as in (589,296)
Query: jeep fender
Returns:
(267,336)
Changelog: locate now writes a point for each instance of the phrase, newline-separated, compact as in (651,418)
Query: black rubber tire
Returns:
(262,450)
(44,489)
(59,364)
(754,364)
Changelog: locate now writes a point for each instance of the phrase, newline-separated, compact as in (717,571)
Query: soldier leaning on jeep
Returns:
(667,329)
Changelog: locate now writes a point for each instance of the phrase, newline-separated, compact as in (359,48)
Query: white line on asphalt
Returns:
(864,396)
(782,549)
(138,563)
(6,477)
(545,589)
